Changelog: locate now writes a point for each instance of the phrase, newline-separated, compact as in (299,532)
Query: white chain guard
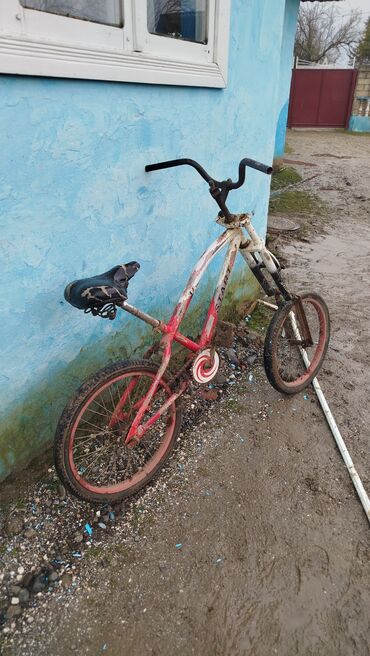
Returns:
(202,371)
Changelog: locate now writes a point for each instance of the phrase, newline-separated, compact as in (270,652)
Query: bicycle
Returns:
(119,428)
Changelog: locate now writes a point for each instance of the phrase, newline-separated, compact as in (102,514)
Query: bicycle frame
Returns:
(234,238)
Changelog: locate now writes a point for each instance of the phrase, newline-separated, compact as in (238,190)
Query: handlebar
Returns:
(252,163)
(218,189)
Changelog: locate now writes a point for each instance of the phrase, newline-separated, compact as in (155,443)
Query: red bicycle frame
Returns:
(233,237)
(171,331)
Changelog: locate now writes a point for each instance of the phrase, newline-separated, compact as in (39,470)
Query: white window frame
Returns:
(40,43)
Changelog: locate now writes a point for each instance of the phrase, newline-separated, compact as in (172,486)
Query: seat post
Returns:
(141,315)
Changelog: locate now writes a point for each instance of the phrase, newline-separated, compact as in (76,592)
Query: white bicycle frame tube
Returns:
(257,245)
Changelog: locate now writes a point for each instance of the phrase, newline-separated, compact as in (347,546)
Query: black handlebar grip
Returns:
(253,164)
(161,165)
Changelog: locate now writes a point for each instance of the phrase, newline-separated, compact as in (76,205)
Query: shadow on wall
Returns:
(281,131)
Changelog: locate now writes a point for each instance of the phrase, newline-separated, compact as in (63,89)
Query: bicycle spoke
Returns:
(99,452)
(289,346)
(88,438)
(96,413)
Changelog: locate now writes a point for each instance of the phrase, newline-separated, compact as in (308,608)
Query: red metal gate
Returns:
(321,98)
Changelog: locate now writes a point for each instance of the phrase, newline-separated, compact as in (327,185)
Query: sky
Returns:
(344,9)
(346,6)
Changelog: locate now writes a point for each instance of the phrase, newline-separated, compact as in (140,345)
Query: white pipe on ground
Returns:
(356,480)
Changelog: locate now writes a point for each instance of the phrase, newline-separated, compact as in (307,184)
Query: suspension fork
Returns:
(302,322)
(247,251)
(256,245)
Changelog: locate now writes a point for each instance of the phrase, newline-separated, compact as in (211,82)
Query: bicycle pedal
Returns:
(224,335)
(205,366)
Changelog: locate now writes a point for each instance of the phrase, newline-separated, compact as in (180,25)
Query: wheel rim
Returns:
(97,454)
(289,364)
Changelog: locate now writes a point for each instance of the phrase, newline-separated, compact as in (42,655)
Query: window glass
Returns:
(179,19)
(108,12)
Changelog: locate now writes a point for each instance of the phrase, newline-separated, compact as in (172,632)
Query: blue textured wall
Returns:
(359,123)
(75,201)
(286,61)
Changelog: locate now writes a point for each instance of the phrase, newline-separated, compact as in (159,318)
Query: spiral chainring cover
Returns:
(205,366)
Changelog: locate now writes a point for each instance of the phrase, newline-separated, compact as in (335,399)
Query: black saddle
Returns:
(109,288)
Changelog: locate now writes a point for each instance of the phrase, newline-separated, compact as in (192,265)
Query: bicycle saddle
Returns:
(95,292)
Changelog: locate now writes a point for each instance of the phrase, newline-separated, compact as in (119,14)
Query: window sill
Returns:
(31,56)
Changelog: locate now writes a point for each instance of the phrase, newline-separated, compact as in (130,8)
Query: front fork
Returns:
(248,252)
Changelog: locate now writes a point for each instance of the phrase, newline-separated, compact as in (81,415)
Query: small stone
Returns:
(14,525)
(30,619)
(209,394)
(14,590)
(251,359)
(78,537)
(66,580)
(13,611)
(105,518)
(20,570)
(53,576)
(27,579)
(61,492)
(14,601)
(39,583)
(102,525)
(232,357)
(24,596)
(220,378)
(30,533)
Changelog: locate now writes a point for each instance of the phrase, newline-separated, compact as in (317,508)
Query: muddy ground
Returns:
(252,542)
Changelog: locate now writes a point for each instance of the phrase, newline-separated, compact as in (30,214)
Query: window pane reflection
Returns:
(107,12)
(178,19)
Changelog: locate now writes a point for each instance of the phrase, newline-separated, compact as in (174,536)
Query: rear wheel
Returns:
(284,343)
(90,454)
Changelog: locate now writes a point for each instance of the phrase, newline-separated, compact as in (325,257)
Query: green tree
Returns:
(363,49)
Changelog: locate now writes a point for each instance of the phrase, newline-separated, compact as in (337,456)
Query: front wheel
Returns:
(286,346)
(90,454)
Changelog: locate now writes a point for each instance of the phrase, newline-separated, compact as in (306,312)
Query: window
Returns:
(153,41)
(108,12)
